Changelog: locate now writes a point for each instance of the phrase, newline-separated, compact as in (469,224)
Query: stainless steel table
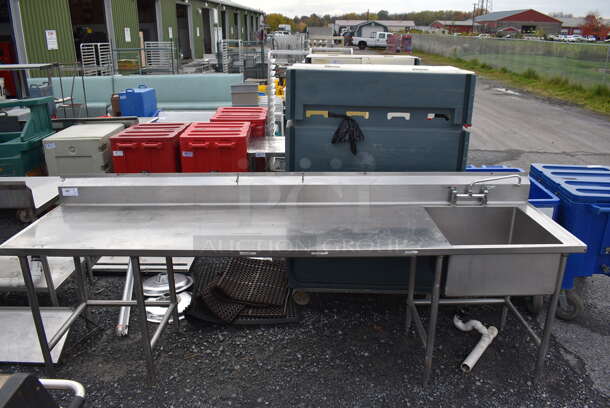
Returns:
(301,215)
(48,275)
(30,196)
(269,147)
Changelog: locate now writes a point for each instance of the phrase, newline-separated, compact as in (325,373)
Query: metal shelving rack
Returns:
(96,59)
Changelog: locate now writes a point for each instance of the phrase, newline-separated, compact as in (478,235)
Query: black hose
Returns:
(348,131)
(77,402)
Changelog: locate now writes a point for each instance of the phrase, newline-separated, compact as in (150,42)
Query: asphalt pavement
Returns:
(515,128)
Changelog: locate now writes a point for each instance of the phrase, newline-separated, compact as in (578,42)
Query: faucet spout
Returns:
(485,180)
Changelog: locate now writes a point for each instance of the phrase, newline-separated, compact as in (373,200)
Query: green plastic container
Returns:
(21,152)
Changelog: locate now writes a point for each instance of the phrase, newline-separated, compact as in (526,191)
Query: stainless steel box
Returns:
(244,95)
(80,149)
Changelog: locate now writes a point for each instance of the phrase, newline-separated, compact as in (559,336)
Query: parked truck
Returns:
(377,39)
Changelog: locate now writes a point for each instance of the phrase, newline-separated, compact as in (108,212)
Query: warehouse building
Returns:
(35,31)
(524,21)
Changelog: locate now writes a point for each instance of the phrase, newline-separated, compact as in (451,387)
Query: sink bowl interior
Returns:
(489,226)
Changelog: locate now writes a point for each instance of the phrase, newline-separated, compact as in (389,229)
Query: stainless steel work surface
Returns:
(12,279)
(18,335)
(294,214)
(231,230)
(15,192)
(267,146)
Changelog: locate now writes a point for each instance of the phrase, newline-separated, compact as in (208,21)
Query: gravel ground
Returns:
(350,350)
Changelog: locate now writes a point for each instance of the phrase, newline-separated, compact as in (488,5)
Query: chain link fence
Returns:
(579,63)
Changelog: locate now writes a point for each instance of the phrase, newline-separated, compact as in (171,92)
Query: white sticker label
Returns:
(51,36)
(170,32)
(69,191)
(117,153)
(198,34)
(187,154)
(127,34)
(259,154)
(49,145)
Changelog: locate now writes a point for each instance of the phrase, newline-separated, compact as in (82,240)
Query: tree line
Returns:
(422,18)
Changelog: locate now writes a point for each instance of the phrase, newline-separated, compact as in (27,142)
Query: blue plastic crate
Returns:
(550,175)
(539,197)
(141,101)
(584,210)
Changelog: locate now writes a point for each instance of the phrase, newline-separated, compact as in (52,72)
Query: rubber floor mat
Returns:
(211,305)
(254,282)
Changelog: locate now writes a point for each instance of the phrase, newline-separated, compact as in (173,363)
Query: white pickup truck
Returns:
(379,39)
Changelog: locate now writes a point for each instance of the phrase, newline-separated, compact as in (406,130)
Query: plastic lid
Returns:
(398,69)
(93,131)
(154,314)
(585,184)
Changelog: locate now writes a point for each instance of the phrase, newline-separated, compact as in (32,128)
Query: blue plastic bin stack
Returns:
(140,101)
(584,210)
(539,197)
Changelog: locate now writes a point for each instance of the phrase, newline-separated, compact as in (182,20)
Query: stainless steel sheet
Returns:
(267,146)
(27,192)
(12,279)
(18,335)
(206,230)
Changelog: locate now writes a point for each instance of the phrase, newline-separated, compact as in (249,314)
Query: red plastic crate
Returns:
(221,147)
(147,148)
(257,116)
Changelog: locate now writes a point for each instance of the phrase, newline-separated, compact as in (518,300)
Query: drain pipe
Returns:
(487,336)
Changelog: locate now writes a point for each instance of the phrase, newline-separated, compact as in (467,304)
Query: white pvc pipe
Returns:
(487,336)
(64,385)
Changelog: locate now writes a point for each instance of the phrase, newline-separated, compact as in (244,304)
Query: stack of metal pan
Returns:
(157,288)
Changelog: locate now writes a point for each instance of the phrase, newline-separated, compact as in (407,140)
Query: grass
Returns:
(583,71)
(595,98)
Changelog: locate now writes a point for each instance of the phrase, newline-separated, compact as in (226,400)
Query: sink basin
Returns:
(503,273)
(489,226)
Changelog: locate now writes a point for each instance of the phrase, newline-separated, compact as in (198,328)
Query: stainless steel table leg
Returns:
(137,280)
(550,317)
(504,314)
(169,262)
(436,290)
(81,283)
(89,262)
(46,269)
(411,289)
(122,327)
(35,308)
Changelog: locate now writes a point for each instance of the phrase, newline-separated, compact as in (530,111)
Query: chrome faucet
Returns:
(483,194)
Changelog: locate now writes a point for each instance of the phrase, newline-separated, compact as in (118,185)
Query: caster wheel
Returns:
(301,298)
(570,305)
(25,215)
(534,304)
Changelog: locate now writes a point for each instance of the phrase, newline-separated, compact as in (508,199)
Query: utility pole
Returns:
(474,10)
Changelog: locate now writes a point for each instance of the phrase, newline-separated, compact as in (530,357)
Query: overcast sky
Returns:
(332,7)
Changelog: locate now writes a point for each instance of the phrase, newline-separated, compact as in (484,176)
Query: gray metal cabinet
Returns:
(80,149)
